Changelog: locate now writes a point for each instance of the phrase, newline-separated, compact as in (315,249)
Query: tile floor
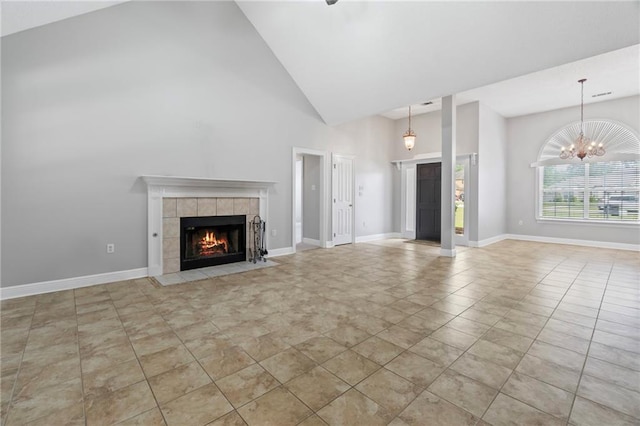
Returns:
(378,333)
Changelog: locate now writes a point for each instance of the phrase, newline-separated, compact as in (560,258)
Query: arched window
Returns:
(605,188)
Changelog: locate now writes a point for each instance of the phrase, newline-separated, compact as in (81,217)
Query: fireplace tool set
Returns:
(259,249)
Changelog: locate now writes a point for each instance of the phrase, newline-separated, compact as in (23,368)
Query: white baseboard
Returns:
(488,241)
(377,237)
(329,244)
(447,252)
(573,242)
(311,241)
(280,252)
(70,283)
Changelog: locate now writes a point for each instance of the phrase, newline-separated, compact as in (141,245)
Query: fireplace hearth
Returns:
(212,240)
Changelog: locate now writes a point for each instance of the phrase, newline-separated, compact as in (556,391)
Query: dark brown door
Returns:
(428,202)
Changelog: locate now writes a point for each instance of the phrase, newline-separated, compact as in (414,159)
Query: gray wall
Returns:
(492,174)
(91,103)
(526,135)
(311,197)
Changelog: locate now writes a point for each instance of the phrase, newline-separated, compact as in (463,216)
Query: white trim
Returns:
(281,251)
(447,252)
(377,237)
(488,241)
(329,244)
(573,242)
(70,283)
(311,241)
(590,222)
(159,187)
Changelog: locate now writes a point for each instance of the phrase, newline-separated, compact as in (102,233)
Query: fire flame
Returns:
(210,244)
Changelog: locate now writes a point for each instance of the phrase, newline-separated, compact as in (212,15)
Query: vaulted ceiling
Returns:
(360,58)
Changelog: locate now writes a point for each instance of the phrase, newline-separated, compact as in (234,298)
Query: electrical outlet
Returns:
(520,222)
(273,233)
(111,248)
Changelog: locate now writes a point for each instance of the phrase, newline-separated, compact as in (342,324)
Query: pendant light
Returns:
(409,136)
(583,146)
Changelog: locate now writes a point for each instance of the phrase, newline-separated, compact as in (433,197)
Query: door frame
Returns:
(408,194)
(323,190)
(353,193)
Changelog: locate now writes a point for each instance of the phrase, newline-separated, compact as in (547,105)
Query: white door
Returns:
(342,197)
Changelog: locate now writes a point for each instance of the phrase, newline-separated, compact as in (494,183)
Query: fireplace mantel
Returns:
(179,181)
(159,187)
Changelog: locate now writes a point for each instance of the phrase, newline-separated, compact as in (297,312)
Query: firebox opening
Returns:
(211,240)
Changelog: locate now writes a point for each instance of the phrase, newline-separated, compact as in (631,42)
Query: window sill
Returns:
(590,222)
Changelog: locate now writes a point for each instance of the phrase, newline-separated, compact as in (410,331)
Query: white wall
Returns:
(492,174)
(526,135)
(91,103)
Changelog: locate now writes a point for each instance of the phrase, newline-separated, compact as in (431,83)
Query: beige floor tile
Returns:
(354,408)
(612,373)
(418,370)
(177,382)
(588,413)
(264,346)
(247,384)
(165,359)
(320,348)
(119,405)
(351,367)
(226,361)
(610,395)
(506,411)
(485,372)
(70,416)
(369,289)
(547,398)
(429,409)
(563,357)
(288,364)
(453,337)
(152,417)
(112,378)
(400,336)
(313,421)
(464,392)
(495,353)
(378,350)
(549,372)
(317,388)
(201,406)
(436,351)
(481,316)
(277,407)
(231,419)
(389,390)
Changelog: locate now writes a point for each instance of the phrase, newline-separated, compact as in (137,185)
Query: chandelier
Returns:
(409,136)
(583,146)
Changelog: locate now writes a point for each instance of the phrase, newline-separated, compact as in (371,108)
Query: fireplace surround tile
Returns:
(187,207)
(225,206)
(169,207)
(171,248)
(207,207)
(241,206)
(171,227)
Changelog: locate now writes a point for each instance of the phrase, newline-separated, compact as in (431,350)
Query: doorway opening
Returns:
(428,201)
(309,199)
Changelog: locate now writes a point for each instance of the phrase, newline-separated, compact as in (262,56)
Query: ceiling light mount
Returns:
(583,146)
(409,136)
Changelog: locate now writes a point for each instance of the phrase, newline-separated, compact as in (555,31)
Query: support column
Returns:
(447,217)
